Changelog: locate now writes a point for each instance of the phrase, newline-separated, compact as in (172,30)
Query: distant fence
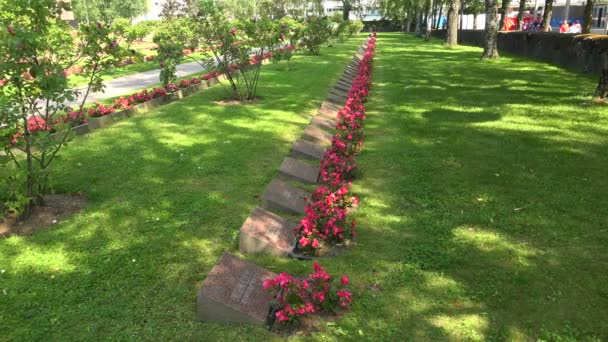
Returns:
(582,54)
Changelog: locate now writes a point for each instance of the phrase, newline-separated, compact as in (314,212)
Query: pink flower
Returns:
(281,316)
(344,280)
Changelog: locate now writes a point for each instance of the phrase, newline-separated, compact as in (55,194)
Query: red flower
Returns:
(344,280)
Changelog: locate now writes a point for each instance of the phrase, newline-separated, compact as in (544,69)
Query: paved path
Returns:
(125,85)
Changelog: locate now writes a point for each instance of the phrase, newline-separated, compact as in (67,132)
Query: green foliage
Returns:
(317,32)
(355,27)
(38,47)
(108,10)
(237,46)
(170,40)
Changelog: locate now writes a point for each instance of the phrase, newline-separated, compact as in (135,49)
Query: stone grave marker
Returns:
(316,134)
(233,292)
(265,232)
(339,94)
(335,99)
(282,196)
(324,123)
(341,88)
(308,150)
(300,171)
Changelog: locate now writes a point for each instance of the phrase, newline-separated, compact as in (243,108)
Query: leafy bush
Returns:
(37,49)
(316,33)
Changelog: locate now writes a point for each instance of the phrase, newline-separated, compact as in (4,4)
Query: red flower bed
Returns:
(317,292)
(325,221)
(99,110)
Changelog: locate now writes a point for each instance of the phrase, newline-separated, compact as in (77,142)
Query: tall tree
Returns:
(520,15)
(588,16)
(452,34)
(490,49)
(547,15)
(348,6)
(503,13)
(429,21)
(400,11)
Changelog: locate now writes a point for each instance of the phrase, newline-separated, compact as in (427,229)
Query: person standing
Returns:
(564,27)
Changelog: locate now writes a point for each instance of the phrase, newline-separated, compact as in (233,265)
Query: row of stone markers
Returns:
(233,291)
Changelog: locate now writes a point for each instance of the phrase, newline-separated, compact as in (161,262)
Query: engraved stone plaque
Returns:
(233,292)
(282,196)
(265,232)
(300,171)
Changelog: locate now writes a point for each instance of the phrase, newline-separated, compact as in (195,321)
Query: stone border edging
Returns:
(97,123)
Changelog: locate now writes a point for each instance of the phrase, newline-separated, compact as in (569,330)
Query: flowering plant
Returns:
(99,110)
(158,92)
(121,104)
(140,97)
(72,118)
(184,83)
(318,292)
(325,220)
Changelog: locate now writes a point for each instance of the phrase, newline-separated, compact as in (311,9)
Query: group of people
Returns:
(567,27)
(537,25)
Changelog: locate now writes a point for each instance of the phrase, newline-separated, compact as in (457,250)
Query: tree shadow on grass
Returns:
(168,193)
(482,227)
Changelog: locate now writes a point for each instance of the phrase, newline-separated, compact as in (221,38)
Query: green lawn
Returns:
(483,207)
(484,200)
(168,192)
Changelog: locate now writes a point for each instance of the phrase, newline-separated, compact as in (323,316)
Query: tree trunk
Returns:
(588,16)
(452,34)
(438,26)
(408,23)
(418,19)
(602,86)
(346,7)
(490,49)
(520,15)
(475,21)
(547,15)
(461,16)
(503,13)
(429,22)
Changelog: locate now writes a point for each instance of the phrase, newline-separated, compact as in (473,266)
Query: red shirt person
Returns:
(564,27)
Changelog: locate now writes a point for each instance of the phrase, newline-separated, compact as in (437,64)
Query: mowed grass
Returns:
(484,207)
(168,192)
(483,210)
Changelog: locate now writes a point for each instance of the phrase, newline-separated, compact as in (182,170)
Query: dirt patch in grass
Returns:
(55,209)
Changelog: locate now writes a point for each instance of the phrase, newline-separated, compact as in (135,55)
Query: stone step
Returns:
(307,150)
(266,232)
(282,196)
(297,170)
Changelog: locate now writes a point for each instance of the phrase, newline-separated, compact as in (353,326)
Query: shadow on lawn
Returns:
(163,207)
(479,229)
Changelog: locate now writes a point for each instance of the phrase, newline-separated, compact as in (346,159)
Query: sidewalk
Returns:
(125,85)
